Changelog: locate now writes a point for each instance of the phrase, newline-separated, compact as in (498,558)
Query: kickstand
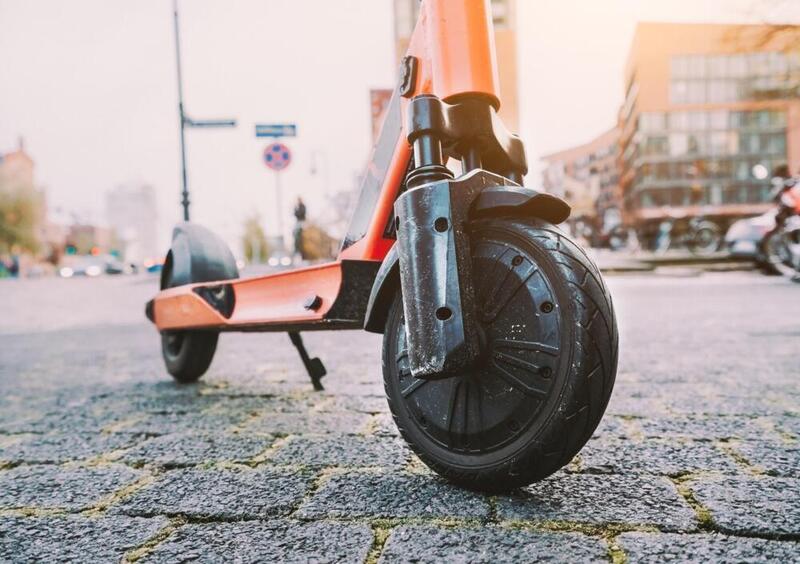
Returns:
(316,370)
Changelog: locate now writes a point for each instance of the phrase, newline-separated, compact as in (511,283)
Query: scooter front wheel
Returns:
(545,374)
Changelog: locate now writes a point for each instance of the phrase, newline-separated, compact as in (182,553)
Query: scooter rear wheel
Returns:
(187,354)
(547,368)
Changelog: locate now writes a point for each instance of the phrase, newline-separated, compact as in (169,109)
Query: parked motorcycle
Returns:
(701,236)
(781,244)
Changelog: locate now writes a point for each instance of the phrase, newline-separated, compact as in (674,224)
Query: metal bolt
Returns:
(546,307)
(312,302)
(443,313)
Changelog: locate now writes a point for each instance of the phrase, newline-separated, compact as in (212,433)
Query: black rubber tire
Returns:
(581,379)
(188,354)
(777,262)
(707,239)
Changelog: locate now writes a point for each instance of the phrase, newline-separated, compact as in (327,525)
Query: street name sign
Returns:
(276,130)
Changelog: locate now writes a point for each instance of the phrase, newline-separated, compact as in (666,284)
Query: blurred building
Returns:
(132,215)
(379,99)
(706,104)
(88,239)
(586,177)
(16,167)
(405,17)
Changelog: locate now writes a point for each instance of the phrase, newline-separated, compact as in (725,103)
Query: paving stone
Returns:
(773,458)
(384,425)
(316,423)
(751,505)
(789,425)
(338,450)
(747,406)
(601,500)
(259,405)
(64,447)
(270,541)
(73,538)
(53,487)
(615,427)
(188,449)
(222,494)
(363,494)
(706,428)
(354,403)
(653,457)
(171,423)
(489,545)
(712,548)
(634,407)
(72,420)
(373,389)
(160,402)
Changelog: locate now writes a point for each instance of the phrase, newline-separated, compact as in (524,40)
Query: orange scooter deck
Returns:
(328,296)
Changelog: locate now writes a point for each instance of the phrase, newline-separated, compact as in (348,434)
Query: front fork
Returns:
(435,258)
(439,302)
(436,279)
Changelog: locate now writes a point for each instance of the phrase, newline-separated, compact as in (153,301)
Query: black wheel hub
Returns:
(486,407)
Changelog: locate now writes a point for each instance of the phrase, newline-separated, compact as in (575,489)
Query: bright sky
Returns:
(91,86)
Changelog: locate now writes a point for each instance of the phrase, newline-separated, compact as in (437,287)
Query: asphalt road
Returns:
(102,458)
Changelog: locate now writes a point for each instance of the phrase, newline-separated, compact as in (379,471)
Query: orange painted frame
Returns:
(453,44)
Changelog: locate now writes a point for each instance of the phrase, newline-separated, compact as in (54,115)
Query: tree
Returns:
(19,213)
(254,240)
(316,243)
(778,36)
(782,37)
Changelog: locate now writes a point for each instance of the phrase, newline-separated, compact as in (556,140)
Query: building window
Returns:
(678,121)
(719,143)
(718,119)
(652,121)
(714,152)
(698,79)
(680,66)
(698,120)
(678,144)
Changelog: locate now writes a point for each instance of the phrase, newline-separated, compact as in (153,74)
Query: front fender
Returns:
(516,201)
(387,281)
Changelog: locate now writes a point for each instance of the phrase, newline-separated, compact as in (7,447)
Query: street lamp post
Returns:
(186,121)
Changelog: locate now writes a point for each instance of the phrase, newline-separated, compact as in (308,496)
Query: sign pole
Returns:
(279,208)
(277,157)
(186,121)
(181,115)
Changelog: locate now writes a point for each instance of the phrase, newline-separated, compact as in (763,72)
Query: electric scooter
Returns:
(499,335)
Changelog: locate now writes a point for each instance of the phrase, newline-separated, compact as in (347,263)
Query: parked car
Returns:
(82,266)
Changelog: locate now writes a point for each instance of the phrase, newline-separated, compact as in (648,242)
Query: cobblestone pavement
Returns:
(103,458)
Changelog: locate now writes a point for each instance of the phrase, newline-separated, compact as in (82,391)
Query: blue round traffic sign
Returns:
(277,156)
